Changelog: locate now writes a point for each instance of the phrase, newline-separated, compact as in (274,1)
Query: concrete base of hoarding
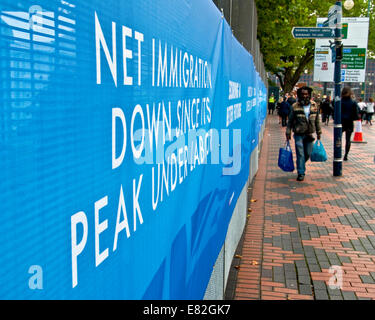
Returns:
(219,283)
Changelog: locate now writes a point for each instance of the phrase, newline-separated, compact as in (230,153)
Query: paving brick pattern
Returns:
(315,239)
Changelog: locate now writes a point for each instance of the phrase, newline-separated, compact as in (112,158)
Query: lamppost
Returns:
(337,151)
(349,4)
(368,91)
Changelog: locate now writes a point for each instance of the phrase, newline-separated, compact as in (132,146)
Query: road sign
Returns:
(334,14)
(313,33)
(354,58)
(355,41)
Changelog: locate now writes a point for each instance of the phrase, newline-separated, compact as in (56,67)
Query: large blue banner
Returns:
(126,130)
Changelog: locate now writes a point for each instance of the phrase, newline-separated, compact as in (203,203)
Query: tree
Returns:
(285,56)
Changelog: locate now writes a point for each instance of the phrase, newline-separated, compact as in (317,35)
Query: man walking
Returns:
(292,99)
(326,109)
(304,121)
(271,104)
(284,111)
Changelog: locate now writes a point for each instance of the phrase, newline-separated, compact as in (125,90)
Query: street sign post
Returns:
(333,15)
(337,131)
(313,33)
(355,31)
(356,59)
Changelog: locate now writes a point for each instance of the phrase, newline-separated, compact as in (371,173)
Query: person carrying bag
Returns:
(304,121)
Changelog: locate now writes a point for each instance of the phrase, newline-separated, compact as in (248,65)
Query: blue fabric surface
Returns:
(112,182)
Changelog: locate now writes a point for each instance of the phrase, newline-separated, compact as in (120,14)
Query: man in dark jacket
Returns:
(291,99)
(304,120)
(284,111)
(327,110)
(349,114)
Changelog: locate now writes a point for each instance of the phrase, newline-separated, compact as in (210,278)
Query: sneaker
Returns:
(300,177)
(346,157)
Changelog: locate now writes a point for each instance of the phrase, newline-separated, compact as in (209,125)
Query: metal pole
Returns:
(337,161)
(230,14)
(364,89)
(368,15)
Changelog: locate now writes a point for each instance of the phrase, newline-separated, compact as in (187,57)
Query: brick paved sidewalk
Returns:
(303,239)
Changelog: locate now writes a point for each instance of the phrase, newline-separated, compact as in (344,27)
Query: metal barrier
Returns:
(243,18)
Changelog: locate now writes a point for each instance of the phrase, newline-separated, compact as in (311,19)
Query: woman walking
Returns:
(362,108)
(349,114)
(370,111)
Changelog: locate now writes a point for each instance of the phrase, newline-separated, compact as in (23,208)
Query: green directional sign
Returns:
(345,27)
(354,58)
(313,33)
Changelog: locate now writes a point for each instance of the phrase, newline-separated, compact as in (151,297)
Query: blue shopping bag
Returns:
(318,153)
(286,158)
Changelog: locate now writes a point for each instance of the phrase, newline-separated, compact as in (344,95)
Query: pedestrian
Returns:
(278,108)
(284,112)
(292,98)
(362,108)
(326,109)
(318,100)
(369,111)
(323,109)
(304,121)
(271,104)
(349,114)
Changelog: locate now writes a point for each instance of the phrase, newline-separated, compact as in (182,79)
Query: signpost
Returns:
(334,19)
(334,13)
(355,41)
(313,33)
(337,142)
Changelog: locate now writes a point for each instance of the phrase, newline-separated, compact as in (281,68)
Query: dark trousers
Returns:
(348,143)
(271,108)
(369,117)
(362,115)
(284,120)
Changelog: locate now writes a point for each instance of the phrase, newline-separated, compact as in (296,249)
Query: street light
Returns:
(368,91)
(337,130)
(349,4)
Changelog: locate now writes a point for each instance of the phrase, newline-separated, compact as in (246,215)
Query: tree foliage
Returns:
(285,56)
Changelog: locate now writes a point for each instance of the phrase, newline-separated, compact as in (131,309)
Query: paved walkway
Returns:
(313,239)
